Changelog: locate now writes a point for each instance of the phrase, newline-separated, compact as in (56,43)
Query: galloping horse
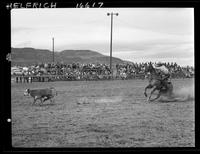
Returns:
(155,82)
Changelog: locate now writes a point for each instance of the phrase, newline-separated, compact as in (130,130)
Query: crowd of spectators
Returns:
(132,70)
(74,71)
(77,71)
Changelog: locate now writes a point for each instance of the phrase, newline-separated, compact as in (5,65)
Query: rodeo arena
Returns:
(48,72)
(91,106)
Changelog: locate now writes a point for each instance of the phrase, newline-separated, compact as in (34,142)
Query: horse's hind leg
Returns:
(147,87)
(155,98)
(149,98)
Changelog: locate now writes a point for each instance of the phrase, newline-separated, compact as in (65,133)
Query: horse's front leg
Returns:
(149,98)
(147,87)
(156,97)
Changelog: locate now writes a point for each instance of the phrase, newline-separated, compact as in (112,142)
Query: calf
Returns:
(42,94)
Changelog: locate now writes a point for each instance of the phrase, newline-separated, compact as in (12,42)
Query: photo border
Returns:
(6,65)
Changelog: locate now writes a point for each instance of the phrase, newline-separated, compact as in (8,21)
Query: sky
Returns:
(139,34)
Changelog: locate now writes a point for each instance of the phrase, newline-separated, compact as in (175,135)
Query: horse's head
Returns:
(152,73)
(150,69)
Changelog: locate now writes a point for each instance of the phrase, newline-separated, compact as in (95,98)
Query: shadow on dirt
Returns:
(176,98)
(46,104)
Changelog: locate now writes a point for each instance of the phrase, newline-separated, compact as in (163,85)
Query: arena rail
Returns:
(52,78)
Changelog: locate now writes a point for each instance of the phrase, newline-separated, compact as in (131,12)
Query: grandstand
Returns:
(70,72)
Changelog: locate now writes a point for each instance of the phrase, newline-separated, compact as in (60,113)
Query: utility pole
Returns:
(111,14)
(53,49)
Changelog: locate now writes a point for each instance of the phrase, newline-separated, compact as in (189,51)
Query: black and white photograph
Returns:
(102,77)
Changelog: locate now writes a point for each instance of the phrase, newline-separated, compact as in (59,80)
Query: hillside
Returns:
(30,56)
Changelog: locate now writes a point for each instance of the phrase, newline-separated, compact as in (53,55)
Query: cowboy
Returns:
(163,73)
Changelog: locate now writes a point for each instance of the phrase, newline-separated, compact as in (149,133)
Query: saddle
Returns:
(164,84)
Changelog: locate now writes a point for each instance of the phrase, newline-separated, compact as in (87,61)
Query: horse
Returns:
(155,82)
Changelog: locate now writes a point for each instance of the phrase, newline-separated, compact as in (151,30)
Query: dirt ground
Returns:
(101,114)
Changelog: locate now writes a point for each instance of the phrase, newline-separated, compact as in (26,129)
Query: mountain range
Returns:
(31,56)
